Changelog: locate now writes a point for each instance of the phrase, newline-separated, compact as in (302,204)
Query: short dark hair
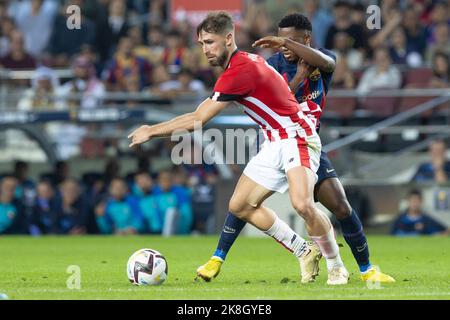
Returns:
(219,22)
(342,4)
(297,21)
(415,192)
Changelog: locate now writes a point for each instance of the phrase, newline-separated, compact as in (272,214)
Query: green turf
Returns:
(256,268)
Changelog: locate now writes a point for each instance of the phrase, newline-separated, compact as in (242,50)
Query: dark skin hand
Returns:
(311,56)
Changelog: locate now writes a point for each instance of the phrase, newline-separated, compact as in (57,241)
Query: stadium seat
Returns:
(340,106)
(418,76)
(380,106)
(408,137)
(363,119)
(407,103)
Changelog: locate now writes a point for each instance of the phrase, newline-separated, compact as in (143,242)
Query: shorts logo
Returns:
(291,159)
(330,171)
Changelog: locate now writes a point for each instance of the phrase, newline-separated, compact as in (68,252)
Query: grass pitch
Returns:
(256,268)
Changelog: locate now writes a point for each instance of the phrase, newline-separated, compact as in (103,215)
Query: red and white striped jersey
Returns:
(252,83)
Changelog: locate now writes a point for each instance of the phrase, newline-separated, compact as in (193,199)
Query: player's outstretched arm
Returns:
(310,55)
(205,112)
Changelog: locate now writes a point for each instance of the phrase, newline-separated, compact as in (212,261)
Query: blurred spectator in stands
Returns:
(176,216)
(197,62)
(438,169)
(17,58)
(35,19)
(71,213)
(358,16)
(276,9)
(159,12)
(12,218)
(441,42)
(343,77)
(382,75)
(258,21)
(161,78)
(42,219)
(120,214)
(439,14)
(3,9)
(441,71)
(184,199)
(112,29)
(41,95)
(184,85)
(95,10)
(343,45)
(143,184)
(155,40)
(66,43)
(320,19)
(85,83)
(60,172)
(414,30)
(126,64)
(175,52)
(25,190)
(392,19)
(203,203)
(414,221)
(343,23)
(112,171)
(7,27)
(400,51)
(153,215)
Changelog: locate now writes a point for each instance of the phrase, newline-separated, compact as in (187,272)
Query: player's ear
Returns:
(229,39)
(307,39)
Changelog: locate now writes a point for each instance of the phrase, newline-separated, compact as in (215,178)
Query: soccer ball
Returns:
(147,267)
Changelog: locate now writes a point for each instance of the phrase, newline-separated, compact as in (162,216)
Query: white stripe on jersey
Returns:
(285,121)
(215,96)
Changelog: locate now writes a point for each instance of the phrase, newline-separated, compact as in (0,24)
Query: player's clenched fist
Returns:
(269,42)
(140,135)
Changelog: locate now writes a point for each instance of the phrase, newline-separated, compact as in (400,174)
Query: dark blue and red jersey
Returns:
(314,88)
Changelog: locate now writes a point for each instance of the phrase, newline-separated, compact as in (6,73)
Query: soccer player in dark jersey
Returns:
(308,72)
(289,158)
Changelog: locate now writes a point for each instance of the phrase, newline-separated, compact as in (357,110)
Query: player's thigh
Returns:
(301,182)
(331,194)
(247,195)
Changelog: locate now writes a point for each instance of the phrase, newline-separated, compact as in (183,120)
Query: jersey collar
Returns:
(232,55)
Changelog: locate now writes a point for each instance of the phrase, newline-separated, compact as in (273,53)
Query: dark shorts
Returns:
(326,169)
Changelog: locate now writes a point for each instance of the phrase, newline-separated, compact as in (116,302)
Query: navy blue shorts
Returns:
(326,169)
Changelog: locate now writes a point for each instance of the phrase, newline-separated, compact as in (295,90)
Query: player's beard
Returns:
(219,61)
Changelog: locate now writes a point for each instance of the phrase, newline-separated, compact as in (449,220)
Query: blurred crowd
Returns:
(172,202)
(133,46)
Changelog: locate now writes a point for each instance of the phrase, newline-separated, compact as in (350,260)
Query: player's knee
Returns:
(236,207)
(305,208)
(342,210)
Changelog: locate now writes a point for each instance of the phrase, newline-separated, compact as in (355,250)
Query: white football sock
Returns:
(330,249)
(284,235)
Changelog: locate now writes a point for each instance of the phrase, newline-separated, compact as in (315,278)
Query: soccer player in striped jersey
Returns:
(308,72)
(289,158)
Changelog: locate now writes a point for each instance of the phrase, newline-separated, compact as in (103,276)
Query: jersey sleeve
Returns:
(327,76)
(273,61)
(233,85)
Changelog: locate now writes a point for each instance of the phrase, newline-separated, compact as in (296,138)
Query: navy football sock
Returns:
(231,229)
(356,239)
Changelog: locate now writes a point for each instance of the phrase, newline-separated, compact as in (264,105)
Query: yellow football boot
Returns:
(374,275)
(210,270)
